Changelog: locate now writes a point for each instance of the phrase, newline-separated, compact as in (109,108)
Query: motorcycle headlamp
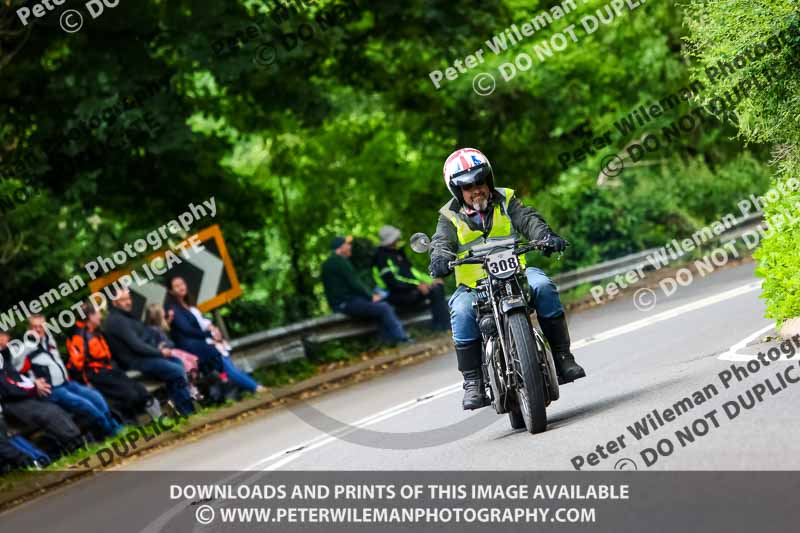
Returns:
(487,326)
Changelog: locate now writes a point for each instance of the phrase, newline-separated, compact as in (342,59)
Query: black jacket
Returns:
(126,337)
(392,270)
(12,385)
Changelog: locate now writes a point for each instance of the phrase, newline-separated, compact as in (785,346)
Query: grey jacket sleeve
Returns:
(527,221)
(445,239)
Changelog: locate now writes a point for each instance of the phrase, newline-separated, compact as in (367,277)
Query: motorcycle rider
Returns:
(479,212)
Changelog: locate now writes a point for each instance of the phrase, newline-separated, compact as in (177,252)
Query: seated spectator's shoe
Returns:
(474,393)
(194,393)
(213,389)
(232,392)
(216,394)
(116,428)
(153,409)
(394,343)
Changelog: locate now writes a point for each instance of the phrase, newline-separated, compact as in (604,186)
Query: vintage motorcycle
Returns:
(518,368)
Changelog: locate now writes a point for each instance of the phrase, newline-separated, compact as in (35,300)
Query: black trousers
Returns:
(49,417)
(125,395)
(434,299)
(10,457)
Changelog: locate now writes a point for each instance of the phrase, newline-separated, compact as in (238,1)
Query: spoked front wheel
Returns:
(531,395)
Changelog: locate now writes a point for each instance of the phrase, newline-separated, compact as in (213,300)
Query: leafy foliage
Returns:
(344,132)
(721,30)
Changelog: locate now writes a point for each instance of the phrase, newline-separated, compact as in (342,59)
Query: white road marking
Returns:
(734,355)
(288,455)
(666,315)
(316,442)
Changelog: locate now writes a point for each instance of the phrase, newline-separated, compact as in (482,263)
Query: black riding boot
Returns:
(557,334)
(469,363)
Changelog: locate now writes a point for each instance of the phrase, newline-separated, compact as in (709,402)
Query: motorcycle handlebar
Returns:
(520,250)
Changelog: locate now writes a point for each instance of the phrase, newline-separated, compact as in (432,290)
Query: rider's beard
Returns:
(480,204)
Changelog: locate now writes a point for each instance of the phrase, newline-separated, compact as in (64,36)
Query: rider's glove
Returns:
(440,267)
(554,243)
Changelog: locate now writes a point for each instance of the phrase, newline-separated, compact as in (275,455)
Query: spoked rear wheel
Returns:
(530,397)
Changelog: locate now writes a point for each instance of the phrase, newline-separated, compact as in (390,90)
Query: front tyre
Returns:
(531,396)
(515,417)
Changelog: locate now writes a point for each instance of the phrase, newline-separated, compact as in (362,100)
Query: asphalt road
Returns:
(637,361)
(670,352)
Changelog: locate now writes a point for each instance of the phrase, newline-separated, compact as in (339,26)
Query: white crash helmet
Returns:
(467,166)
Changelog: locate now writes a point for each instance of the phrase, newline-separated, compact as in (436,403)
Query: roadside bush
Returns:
(723,30)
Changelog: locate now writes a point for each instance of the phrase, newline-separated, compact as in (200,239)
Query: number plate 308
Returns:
(502,264)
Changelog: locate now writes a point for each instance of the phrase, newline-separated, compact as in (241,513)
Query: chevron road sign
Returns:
(207,269)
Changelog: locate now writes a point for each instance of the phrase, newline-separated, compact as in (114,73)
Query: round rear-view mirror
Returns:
(420,243)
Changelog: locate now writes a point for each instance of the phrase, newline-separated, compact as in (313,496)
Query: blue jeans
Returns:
(83,401)
(169,370)
(239,377)
(390,326)
(544,297)
(209,358)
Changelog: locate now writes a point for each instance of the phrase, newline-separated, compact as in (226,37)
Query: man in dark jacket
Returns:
(346,294)
(126,337)
(23,401)
(407,286)
(478,213)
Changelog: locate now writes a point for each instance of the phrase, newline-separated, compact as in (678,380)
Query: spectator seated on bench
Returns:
(23,402)
(127,338)
(347,294)
(158,336)
(77,399)
(408,287)
(192,332)
(90,363)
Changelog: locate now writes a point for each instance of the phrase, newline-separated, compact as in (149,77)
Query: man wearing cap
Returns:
(407,286)
(347,294)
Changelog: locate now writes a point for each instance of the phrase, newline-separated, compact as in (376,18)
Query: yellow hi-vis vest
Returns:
(469,275)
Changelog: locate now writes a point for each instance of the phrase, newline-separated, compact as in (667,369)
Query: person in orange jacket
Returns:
(91,362)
